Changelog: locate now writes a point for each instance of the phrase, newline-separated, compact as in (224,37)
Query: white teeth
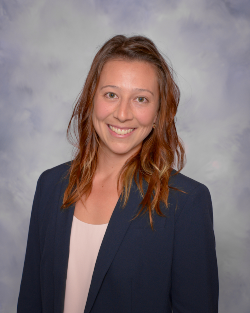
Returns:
(121,131)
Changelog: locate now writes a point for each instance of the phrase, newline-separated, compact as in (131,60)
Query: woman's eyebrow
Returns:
(139,89)
(109,86)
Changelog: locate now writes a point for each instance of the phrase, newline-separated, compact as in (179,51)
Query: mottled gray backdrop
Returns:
(46,48)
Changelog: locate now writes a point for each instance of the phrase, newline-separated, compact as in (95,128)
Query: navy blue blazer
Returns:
(171,269)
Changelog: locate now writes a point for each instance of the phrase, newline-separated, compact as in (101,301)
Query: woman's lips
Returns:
(119,132)
(119,127)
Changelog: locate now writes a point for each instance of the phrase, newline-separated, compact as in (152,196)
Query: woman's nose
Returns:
(123,110)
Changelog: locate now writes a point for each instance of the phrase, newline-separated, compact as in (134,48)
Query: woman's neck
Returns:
(110,164)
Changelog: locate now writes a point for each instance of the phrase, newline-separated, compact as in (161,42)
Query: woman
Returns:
(118,229)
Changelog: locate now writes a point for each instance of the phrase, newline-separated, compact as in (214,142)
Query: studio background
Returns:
(46,48)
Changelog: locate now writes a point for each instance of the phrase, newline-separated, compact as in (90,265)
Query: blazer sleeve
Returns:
(195,284)
(29,300)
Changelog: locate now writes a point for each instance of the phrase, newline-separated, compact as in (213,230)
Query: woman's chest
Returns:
(98,207)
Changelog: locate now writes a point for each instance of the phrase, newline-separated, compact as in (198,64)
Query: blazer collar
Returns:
(115,232)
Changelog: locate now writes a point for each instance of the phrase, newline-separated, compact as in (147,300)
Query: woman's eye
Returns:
(142,99)
(111,95)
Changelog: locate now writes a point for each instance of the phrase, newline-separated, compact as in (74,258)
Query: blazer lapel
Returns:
(116,230)
(62,242)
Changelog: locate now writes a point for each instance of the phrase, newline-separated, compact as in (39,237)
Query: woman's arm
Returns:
(195,285)
(29,300)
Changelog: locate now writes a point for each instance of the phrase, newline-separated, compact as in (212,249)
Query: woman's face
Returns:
(125,105)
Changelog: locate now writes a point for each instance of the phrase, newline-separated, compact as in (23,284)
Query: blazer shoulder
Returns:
(55,174)
(185,183)
(189,193)
(53,178)
(49,189)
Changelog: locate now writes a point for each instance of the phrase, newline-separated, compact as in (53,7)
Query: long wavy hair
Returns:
(161,151)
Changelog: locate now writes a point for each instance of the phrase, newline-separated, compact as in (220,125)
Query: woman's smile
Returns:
(120,132)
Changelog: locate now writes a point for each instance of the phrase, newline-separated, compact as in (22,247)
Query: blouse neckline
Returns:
(88,224)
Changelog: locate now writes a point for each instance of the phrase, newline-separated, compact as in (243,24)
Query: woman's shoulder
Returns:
(185,183)
(49,190)
(55,174)
(53,177)
(189,194)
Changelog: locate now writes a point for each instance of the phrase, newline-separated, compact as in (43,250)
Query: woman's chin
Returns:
(123,151)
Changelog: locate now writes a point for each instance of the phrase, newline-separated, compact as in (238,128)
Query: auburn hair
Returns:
(161,150)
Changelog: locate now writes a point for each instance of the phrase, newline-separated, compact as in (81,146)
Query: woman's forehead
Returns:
(136,73)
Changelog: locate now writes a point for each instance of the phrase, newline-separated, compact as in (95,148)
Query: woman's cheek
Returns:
(146,118)
(102,110)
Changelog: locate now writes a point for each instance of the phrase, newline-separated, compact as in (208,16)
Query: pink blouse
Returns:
(85,242)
